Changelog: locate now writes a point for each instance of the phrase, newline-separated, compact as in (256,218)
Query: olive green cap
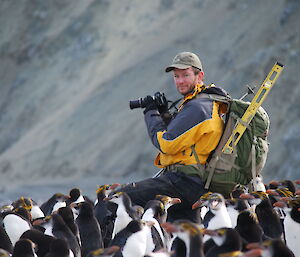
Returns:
(185,60)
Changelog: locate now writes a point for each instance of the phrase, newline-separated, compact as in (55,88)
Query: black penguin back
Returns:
(42,241)
(23,248)
(5,242)
(89,229)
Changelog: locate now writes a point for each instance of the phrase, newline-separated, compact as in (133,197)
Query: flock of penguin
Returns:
(261,223)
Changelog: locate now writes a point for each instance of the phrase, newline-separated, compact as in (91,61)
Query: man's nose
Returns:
(179,80)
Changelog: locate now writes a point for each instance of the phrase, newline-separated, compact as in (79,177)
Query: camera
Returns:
(159,99)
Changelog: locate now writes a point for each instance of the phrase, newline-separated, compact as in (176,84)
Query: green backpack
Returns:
(225,171)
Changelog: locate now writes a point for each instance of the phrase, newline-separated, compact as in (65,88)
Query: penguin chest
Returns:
(135,245)
(292,234)
(122,220)
(15,226)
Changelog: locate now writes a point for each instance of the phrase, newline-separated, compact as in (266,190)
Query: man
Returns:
(184,143)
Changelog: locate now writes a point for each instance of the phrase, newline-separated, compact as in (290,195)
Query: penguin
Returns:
(30,205)
(132,240)
(217,216)
(41,240)
(67,214)
(15,225)
(24,248)
(234,206)
(89,229)
(227,240)
(248,228)
(59,248)
(56,201)
(104,252)
(291,223)
(125,212)
(58,228)
(154,210)
(272,248)
(5,242)
(190,233)
(103,214)
(167,202)
(267,216)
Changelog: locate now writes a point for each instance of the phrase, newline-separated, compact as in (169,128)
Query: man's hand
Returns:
(149,104)
(162,102)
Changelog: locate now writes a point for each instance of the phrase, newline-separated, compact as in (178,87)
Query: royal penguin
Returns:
(217,216)
(104,213)
(41,241)
(58,228)
(125,211)
(5,242)
(248,228)
(89,229)
(272,248)
(267,216)
(56,201)
(154,211)
(59,248)
(291,222)
(30,205)
(15,224)
(188,232)
(168,202)
(132,240)
(234,206)
(24,248)
(228,242)
(67,214)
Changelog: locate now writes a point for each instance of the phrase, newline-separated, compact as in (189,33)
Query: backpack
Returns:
(223,172)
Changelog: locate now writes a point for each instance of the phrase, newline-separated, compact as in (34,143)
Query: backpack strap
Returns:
(199,166)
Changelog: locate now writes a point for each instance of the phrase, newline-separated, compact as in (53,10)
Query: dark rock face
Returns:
(69,69)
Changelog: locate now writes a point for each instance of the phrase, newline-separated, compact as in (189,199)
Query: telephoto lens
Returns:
(136,104)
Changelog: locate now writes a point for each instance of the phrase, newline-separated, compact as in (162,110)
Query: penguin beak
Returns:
(279,204)
(252,246)
(246,196)
(198,204)
(170,228)
(272,192)
(210,232)
(175,201)
(297,181)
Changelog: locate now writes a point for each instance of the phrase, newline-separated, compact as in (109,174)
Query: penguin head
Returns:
(216,201)
(24,247)
(119,198)
(60,247)
(102,191)
(167,201)
(23,202)
(202,201)
(256,197)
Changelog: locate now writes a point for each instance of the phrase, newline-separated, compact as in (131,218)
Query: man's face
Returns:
(185,80)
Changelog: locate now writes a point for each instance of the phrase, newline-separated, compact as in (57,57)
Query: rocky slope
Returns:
(69,68)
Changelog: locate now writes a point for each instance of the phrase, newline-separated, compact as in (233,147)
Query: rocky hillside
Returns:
(69,68)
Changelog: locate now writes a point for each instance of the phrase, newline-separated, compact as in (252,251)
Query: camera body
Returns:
(158,99)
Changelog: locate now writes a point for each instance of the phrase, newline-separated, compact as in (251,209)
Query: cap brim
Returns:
(178,66)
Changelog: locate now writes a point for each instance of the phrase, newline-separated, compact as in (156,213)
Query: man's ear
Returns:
(200,76)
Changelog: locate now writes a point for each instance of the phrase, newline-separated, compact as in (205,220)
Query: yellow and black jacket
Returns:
(198,123)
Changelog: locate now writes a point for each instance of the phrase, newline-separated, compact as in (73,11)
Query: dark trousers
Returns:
(187,188)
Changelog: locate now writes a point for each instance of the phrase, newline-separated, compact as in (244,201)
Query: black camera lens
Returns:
(136,104)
